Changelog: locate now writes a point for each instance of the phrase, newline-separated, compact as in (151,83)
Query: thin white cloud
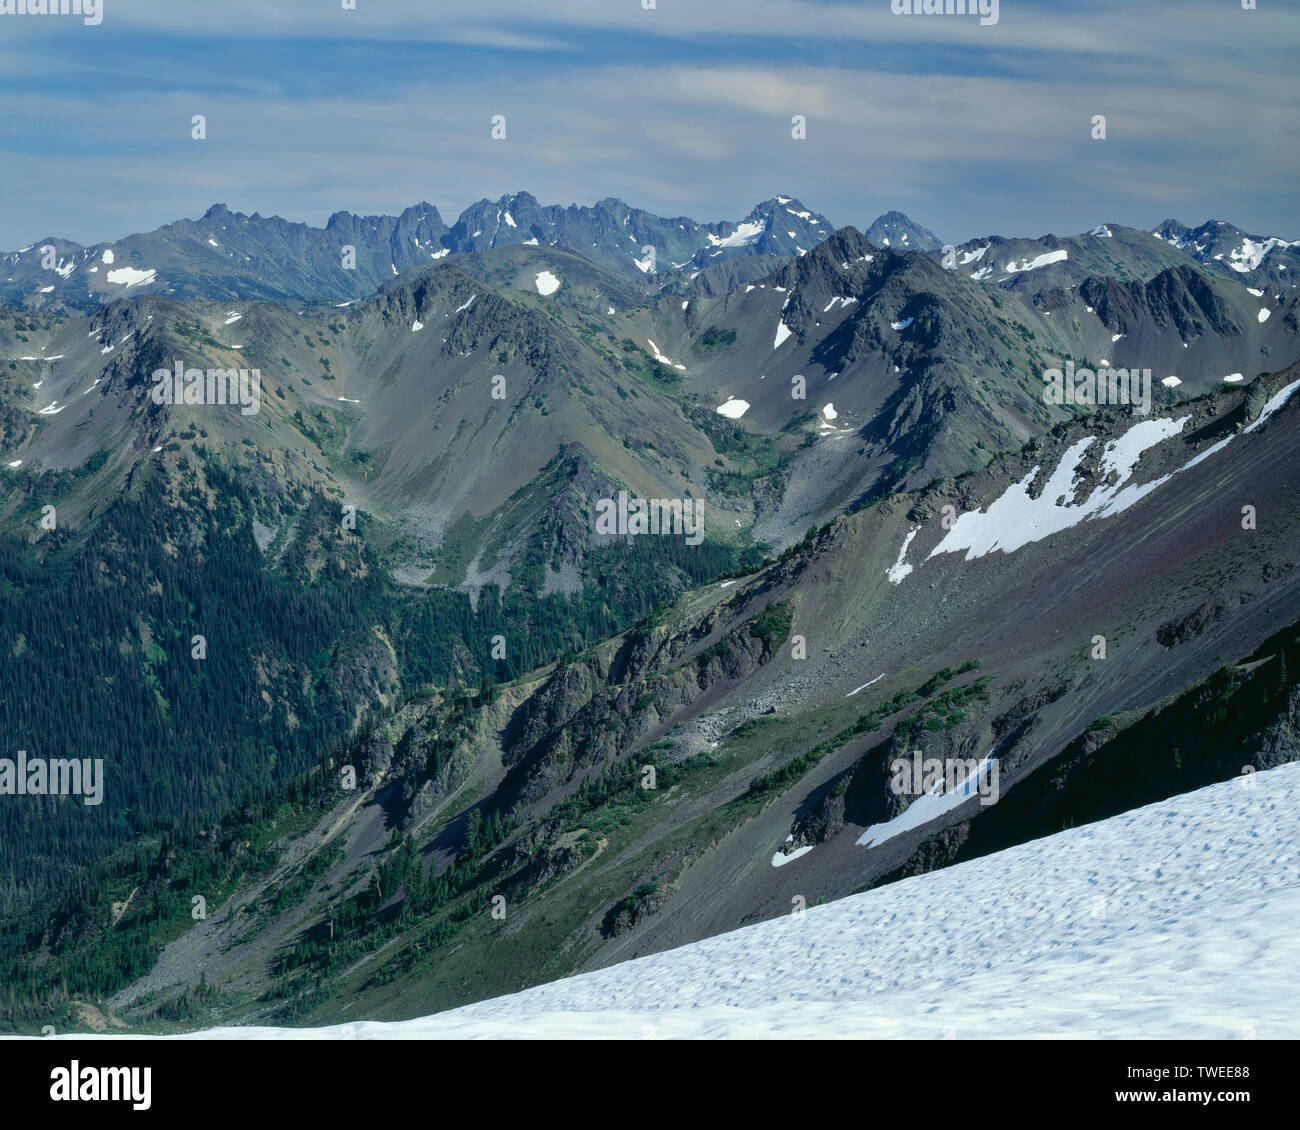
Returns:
(1112,27)
(1007,149)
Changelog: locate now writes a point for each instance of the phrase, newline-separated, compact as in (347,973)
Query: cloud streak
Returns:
(970,129)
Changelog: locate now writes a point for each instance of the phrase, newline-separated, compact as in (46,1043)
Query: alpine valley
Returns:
(390,723)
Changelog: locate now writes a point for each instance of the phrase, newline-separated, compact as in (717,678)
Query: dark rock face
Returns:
(376,757)
(640,904)
(1179,298)
(1184,628)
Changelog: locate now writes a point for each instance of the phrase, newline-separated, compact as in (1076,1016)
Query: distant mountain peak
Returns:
(791,204)
(900,232)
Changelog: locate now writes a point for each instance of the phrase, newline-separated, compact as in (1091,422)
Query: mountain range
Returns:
(427,680)
(226,255)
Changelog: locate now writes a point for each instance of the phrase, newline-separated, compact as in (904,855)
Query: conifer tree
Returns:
(474,834)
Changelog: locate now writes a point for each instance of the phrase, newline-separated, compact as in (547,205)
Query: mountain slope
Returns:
(771,709)
(1104,896)
(908,372)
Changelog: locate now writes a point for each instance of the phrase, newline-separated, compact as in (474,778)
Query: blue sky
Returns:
(683,109)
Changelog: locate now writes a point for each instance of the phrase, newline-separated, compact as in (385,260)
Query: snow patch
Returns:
(662,359)
(1250,254)
(929,807)
(864,686)
(1043,260)
(900,568)
(1014,520)
(130,276)
(1275,402)
(780,859)
(744,233)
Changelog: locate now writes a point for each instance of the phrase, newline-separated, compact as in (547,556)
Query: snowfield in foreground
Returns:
(1175,920)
